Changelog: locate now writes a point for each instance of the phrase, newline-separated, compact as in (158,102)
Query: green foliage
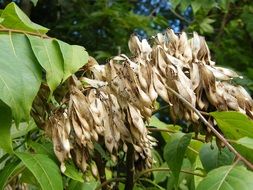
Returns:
(5,118)
(44,170)
(234,125)
(174,154)
(227,178)
(30,59)
(211,157)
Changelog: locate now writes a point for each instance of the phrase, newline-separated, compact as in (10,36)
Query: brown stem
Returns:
(217,134)
(130,167)
(105,183)
(101,168)
(164,169)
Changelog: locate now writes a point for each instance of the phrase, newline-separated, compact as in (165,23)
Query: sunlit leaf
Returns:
(44,170)
(74,57)
(234,125)
(15,18)
(227,178)
(245,147)
(20,75)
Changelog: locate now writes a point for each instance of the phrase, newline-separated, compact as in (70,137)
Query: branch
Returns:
(105,183)
(179,16)
(130,167)
(165,169)
(217,134)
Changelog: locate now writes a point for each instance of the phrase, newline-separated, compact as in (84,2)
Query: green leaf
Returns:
(44,170)
(58,58)
(22,129)
(28,177)
(50,58)
(76,185)
(227,178)
(72,172)
(154,121)
(234,125)
(246,141)
(175,3)
(20,75)
(34,2)
(14,18)
(43,148)
(206,26)
(74,58)
(212,157)
(196,5)
(174,154)
(245,147)
(193,150)
(5,126)
(6,172)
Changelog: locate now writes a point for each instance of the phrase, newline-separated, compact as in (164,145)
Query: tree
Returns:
(89,120)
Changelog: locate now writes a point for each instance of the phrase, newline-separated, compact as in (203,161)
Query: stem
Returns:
(105,183)
(160,130)
(179,16)
(165,169)
(217,134)
(161,109)
(130,167)
(3,29)
(101,169)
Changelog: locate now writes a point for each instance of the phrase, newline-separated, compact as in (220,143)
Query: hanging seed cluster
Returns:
(112,105)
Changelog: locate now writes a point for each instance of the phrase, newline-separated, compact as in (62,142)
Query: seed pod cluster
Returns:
(114,101)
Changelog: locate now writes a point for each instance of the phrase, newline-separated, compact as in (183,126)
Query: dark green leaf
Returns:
(211,157)
(174,154)
(20,75)
(28,177)
(6,172)
(234,125)
(44,170)
(5,126)
(14,18)
(227,178)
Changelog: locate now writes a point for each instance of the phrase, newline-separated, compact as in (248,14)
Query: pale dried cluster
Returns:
(116,100)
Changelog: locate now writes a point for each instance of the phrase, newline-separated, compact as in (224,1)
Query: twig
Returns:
(179,16)
(164,169)
(217,134)
(105,183)
(130,167)
(223,24)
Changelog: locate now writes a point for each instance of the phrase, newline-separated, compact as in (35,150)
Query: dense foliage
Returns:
(36,85)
